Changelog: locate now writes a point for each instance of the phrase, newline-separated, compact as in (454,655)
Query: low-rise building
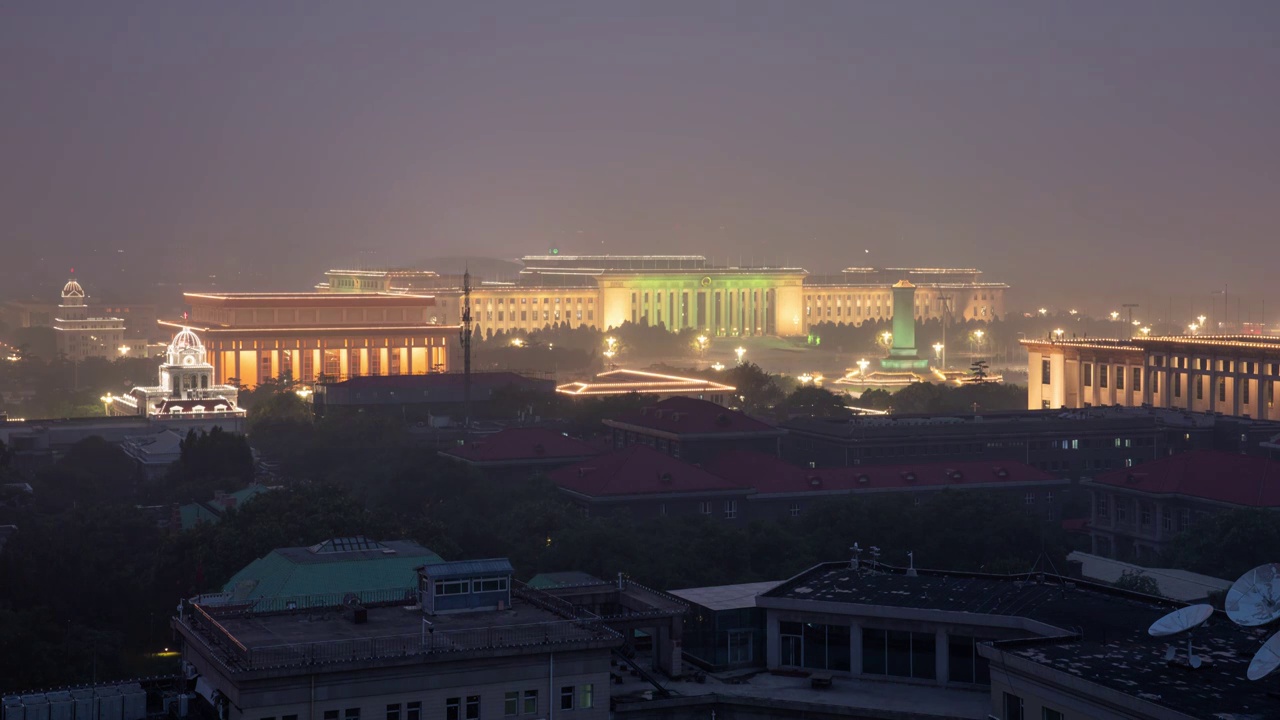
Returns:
(643,482)
(422,398)
(1136,512)
(385,654)
(692,430)
(1071,443)
(521,452)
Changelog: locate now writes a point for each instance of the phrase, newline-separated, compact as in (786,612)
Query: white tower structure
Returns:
(80,336)
(185,389)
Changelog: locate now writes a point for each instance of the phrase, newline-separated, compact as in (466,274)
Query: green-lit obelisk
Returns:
(903,354)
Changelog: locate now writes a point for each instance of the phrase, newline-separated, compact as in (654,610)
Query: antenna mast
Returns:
(465,338)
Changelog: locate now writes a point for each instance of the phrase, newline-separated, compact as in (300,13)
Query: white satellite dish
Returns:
(1181,620)
(1266,660)
(1254,599)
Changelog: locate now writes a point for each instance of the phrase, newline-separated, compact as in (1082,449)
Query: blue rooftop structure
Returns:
(465,585)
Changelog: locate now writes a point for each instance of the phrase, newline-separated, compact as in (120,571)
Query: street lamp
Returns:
(863,363)
(1059,332)
(517,342)
(1115,315)
(1193,327)
(886,339)
(1144,330)
(702,343)
(1044,311)
(1200,319)
(717,366)
(739,351)
(937,352)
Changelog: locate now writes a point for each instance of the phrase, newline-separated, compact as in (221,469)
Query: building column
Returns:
(772,640)
(855,649)
(942,660)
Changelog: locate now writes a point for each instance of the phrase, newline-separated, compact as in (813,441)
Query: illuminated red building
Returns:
(252,337)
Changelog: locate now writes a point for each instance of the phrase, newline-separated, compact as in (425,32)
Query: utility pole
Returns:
(465,338)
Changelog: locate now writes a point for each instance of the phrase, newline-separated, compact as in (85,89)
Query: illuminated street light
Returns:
(739,351)
(717,366)
(978,334)
(863,363)
(1059,332)
(1144,330)
(611,342)
(701,342)
(1201,319)
(517,342)
(1074,311)
(1115,315)
(805,379)
(1044,311)
(1136,323)
(937,350)
(1193,327)
(124,349)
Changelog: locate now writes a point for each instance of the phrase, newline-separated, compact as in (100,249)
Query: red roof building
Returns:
(647,482)
(782,489)
(694,430)
(522,451)
(1136,511)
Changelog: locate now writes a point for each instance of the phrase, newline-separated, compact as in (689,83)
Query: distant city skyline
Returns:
(1081,152)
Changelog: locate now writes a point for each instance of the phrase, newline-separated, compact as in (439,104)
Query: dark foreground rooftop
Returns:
(392,633)
(1093,633)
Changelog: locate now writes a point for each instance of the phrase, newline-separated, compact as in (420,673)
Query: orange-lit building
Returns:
(253,337)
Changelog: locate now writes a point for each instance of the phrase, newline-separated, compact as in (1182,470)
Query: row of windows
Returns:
(545,301)
(705,508)
(547,316)
(478,585)
(469,707)
(1247,367)
(1142,513)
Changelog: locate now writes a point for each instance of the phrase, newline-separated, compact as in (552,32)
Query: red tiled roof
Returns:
(480,381)
(527,444)
(638,470)
(1225,477)
(770,475)
(690,416)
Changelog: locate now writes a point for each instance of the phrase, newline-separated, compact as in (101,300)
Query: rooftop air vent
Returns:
(1001,473)
(908,476)
(863,479)
(815,481)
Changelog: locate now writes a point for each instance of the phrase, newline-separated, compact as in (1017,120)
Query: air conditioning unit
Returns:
(188,670)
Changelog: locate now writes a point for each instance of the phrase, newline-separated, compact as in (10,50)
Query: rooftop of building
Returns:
(770,475)
(626,381)
(1032,420)
(1182,585)
(1164,343)
(1224,477)
(338,565)
(1093,632)
(394,632)
(682,416)
(316,298)
(726,597)
(638,470)
(522,445)
(564,578)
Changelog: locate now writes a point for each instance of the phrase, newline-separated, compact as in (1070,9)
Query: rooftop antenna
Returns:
(875,557)
(1182,620)
(857,553)
(1254,599)
(465,337)
(911,560)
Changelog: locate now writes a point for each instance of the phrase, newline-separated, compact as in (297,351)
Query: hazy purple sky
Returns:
(1067,147)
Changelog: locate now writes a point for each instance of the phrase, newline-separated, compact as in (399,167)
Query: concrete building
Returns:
(1136,512)
(78,334)
(1042,646)
(253,337)
(1232,375)
(1070,444)
(521,453)
(686,291)
(384,655)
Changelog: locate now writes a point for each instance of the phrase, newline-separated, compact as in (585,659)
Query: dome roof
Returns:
(72,289)
(185,340)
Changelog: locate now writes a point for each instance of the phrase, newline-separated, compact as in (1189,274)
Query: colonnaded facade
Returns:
(684,291)
(1232,375)
(253,337)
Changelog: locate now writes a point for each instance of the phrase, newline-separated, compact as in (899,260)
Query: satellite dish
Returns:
(1180,621)
(1266,660)
(1254,599)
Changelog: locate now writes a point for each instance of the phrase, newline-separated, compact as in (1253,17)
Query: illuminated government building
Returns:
(253,337)
(1232,375)
(683,291)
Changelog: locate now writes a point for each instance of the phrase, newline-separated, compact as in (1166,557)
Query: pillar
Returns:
(942,660)
(772,642)
(855,649)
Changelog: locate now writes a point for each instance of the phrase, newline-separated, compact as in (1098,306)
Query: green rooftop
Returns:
(340,565)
